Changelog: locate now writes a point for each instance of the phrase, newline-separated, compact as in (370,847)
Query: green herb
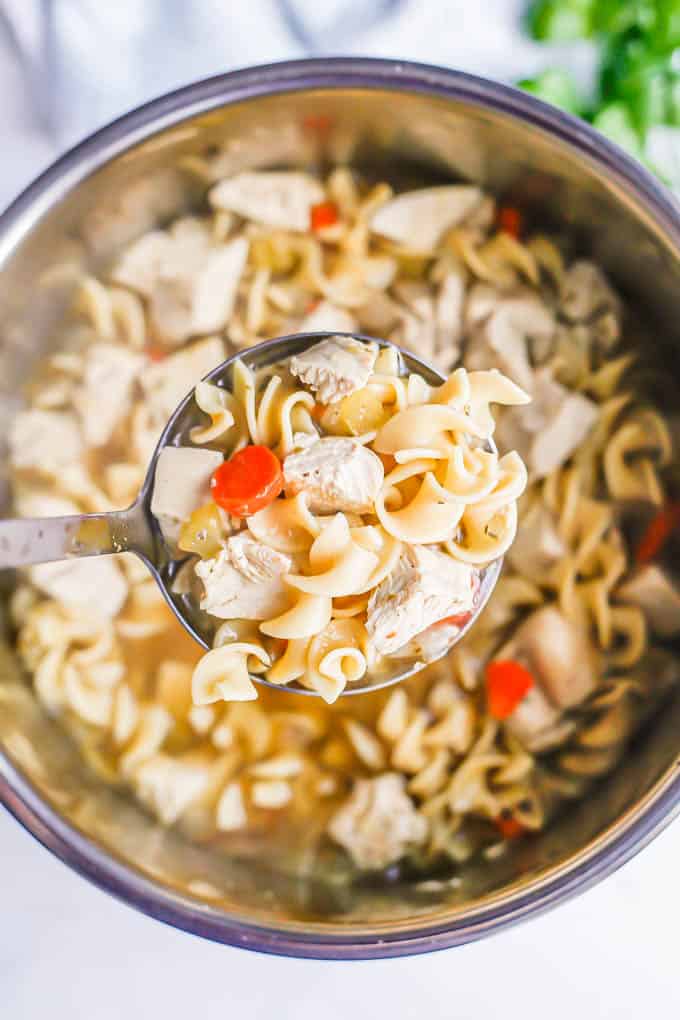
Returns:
(636,102)
(556,21)
(556,87)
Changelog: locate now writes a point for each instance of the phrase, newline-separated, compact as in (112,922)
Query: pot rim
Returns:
(621,840)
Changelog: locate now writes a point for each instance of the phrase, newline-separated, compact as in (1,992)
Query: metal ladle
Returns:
(28,541)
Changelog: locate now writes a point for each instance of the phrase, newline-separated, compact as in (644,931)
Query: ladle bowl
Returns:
(26,541)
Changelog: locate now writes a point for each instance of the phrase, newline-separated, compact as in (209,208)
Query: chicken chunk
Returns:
(336,474)
(245,581)
(95,585)
(327,317)
(426,586)
(166,382)
(537,724)
(140,265)
(44,441)
(378,823)
(380,315)
(546,432)
(585,291)
(103,398)
(538,545)
(652,590)
(181,484)
(558,654)
(188,279)
(500,341)
(255,560)
(419,219)
(170,785)
(196,294)
(124,213)
(448,313)
(280,199)
(30,502)
(335,367)
(430,644)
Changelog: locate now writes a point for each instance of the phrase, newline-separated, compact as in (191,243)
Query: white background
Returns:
(67,951)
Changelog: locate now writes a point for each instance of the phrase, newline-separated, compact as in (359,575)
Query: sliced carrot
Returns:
(657,533)
(507,683)
(155,353)
(317,124)
(248,482)
(318,411)
(324,214)
(510,220)
(509,828)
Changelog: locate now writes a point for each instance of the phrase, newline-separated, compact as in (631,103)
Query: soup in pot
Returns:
(570,654)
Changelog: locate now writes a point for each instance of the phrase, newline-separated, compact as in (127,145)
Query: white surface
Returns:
(68,952)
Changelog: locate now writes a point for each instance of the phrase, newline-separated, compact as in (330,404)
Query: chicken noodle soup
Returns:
(567,658)
(328,551)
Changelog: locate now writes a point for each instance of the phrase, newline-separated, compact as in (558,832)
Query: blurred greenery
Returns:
(636,98)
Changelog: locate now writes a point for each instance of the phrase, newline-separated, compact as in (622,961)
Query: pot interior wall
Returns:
(409,139)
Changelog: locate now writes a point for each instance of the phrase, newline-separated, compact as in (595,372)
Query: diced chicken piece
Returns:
(448,314)
(274,198)
(547,431)
(336,474)
(417,297)
(426,586)
(41,503)
(416,334)
(482,299)
(181,484)
(167,382)
(586,291)
(558,654)
(303,440)
(103,398)
(245,581)
(419,219)
(562,435)
(418,330)
(430,645)
(652,590)
(140,265)
(95,585)
(537,723)
(378,823)
(190,281)
(379,315)
(500,341)
(255,560)
(335,367)
(327,318)
(127,212)
(44,441)
(169,785)
(191,232)
(538,545)
(196,295)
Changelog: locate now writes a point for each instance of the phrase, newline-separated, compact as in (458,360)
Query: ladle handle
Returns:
(26,541)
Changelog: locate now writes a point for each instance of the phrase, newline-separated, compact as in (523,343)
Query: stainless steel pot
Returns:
(404,121)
